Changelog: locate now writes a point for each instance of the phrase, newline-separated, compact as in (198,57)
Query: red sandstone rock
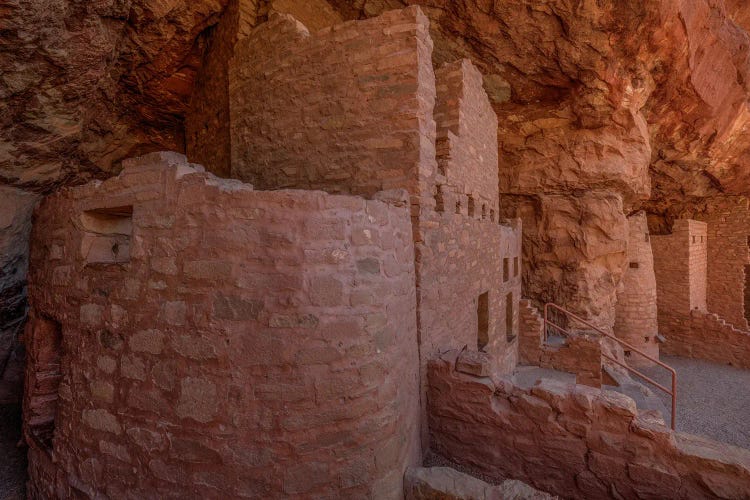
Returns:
(596,105)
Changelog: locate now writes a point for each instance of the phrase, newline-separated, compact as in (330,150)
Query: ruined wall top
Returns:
(347,109)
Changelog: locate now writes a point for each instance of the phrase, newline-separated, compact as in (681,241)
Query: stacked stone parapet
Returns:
(581,352)
(585,442)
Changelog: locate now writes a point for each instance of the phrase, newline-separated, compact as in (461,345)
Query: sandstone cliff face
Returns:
(87,83)
(604,107)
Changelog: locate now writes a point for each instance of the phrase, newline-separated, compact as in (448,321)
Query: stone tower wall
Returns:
(347,109)
(220,341)
(358,108)
(636,313)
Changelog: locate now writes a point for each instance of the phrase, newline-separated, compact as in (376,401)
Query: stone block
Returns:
(198,399)
(101,420)
(474,363)
(148,341)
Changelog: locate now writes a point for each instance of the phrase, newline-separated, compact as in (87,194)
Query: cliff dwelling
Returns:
(375,249)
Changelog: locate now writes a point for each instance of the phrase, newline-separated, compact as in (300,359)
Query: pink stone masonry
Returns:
(239,344)
(358,108)
(636,313)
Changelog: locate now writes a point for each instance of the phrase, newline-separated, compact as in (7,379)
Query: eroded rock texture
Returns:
(604,107)
(15,225)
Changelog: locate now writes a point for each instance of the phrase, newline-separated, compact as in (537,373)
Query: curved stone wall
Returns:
(635,313)
(219,341)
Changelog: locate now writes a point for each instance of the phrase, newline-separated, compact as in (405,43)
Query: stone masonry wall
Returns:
(680,262)
(680,265)
(464,251)
(466,139)
(581,354)
(222,342)
(708,336)
(346,109)
(636,313)
(207,122)
(680,268)
(358,108)
(575,441)
(728,230)
(207,138)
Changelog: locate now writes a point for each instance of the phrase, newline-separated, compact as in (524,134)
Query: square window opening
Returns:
(483,321)
(107,233)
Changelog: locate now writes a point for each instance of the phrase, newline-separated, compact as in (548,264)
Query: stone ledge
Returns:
(444,483)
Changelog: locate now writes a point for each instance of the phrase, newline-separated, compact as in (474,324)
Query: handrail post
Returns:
(672,372)
(674,399)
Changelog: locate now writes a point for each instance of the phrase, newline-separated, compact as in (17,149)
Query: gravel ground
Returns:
(713,400)
(12,459)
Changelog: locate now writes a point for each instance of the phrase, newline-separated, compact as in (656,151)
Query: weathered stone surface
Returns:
(604,107)
(444,483)
(635,314)
(619,453)
(637,102)
(98,83)
(184,375)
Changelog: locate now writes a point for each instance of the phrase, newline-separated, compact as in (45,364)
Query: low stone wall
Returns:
(16,207)
(445,483)
(690,329)
(707,336)
(581,354)
(574,440)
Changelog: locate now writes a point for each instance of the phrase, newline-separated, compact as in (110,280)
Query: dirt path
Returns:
(713,400)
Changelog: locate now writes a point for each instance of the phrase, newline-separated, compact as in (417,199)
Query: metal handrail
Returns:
(672,393)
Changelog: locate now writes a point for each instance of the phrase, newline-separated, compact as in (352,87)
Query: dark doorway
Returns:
(509,330)
(483,321)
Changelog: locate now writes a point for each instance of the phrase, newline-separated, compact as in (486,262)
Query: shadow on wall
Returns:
(16,207)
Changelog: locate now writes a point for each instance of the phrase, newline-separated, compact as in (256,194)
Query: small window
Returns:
(633,265)
(439,203)
(693,239)
(506,270)
(107,235)
(492,215)
(471,206)
(458,206)
(515,267)
(510,331)
(484,211)
(483,321)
